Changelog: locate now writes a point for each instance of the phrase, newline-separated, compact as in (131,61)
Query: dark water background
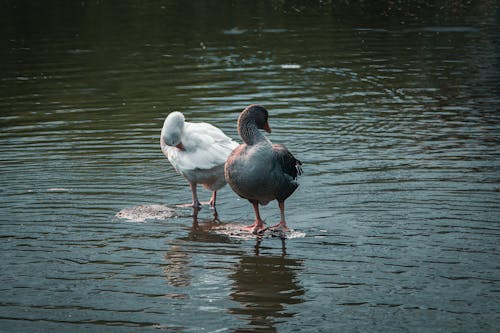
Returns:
(393,108)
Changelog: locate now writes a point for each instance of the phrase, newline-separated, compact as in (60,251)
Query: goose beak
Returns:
(267,128)
(180,146)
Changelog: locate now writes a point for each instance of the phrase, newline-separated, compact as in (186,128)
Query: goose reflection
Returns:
(177,269)
(265,286)
(178,256)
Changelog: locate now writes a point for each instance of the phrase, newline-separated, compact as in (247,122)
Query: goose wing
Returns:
(289,164)
(206,147)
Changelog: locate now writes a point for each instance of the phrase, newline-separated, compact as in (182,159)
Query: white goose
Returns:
(198,151)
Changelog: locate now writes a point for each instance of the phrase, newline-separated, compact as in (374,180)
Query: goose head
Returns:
(254,116)
(172,130)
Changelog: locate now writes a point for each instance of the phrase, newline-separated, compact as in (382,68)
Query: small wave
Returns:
(291,66)
(58,189)
(234,31)
(147,212)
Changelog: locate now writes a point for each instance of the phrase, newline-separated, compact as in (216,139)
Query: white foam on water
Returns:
(296,234)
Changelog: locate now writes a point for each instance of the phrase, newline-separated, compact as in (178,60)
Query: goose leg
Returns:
(282,225)
(212,205)
(258,224)
(212,199)
(196,203)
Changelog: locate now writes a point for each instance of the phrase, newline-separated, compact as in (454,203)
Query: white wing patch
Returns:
(205,147)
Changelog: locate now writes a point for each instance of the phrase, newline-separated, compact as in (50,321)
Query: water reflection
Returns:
(178,257)
(397,121)
(177,269)
(265,286)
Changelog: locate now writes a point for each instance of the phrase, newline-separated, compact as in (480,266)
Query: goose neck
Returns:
(250,133)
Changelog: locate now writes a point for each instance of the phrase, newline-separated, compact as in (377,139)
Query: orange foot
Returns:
(256,227)
(280,227)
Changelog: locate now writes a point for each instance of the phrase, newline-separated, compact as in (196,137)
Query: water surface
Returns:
(393,113)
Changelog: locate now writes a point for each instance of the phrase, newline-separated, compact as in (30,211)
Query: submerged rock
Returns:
(147,212)
(237,231)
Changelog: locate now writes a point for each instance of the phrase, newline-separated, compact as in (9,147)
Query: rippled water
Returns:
(396,222)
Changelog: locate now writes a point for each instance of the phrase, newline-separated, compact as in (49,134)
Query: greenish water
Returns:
(393,111)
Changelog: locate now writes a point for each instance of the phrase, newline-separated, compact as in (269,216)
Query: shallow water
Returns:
(394,115)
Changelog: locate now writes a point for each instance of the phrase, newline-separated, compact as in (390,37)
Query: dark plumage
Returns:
(258,170)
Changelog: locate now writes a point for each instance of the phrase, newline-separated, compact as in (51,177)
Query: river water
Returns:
(393,111)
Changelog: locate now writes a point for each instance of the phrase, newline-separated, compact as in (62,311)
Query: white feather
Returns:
(205,146)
